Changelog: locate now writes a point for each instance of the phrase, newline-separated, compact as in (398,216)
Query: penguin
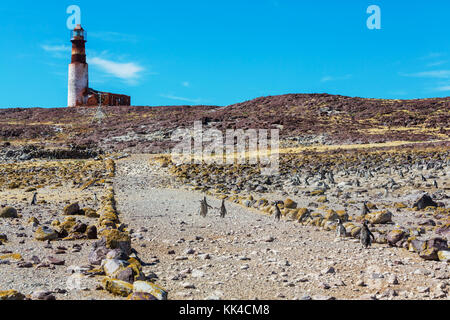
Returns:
(34,200)
(340,229)
(204,207)
(277,211)
(364,209)
(366,236)
(223,210)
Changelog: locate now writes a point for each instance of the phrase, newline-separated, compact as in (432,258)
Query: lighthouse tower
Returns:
(78,70)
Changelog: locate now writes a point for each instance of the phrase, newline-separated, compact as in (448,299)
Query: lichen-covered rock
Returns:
(141,296)
(11,295)
(97,255)
(91,232)
(90,213)
(45,233)
(425,202)
(379,217)
(290,204)
(322,199)
(151,288)
(444,255)
(8,212)
(116,239)
(72,209)
(416,245)
(117,287)
(126,275)
(33,221)
(429,254)
(355,232)
(395,236)
(113,266)
(438,244)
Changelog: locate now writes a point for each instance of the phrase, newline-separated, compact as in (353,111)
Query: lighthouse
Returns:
(78,69)
(79,93)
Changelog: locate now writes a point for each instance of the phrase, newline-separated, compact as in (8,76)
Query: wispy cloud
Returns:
(173,97)
(443,88)
(128,71)
(56,48)
(436,63)
(333,78)
(436,74)
(114,36)
(186,84)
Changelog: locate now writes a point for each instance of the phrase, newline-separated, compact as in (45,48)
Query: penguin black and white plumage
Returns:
(277,211)
(34,200)
(204,207)
(366,236)
(340,229)
(223,210)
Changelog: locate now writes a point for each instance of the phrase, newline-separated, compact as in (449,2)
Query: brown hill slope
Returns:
(338,119)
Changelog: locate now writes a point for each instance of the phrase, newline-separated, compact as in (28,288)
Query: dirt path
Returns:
(250,256)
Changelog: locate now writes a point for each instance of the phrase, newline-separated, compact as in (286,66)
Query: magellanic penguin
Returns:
(204,207)
(366,236)
(340,229)
(223,210)
(277,211)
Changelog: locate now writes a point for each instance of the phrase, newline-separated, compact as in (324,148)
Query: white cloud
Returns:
(57,48)
(173,97)
(443,89)
(129,71)
(439,74)
(114,36)
(185,84)
(332,78)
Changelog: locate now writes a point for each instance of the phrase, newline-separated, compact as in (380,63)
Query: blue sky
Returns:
(224,52)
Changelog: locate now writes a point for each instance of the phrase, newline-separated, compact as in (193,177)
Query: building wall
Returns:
(78,84)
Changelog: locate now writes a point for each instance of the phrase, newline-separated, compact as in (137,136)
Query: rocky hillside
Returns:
(301,117)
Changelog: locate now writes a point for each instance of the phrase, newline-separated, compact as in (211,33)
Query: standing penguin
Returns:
(366,236)
(277,211)
(365,210)
(204,207)
(223,210)
(340,229)
(34,200)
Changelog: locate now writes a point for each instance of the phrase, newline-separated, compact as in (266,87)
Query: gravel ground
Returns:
(248,255)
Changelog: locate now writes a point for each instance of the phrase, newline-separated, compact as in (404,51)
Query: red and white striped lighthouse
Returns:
(78,70)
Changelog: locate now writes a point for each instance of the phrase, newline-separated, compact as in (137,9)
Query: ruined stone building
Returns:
(79,93)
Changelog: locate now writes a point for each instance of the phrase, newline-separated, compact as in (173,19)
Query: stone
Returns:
(8,212)
(379,217)
(11,295)
(113,266)
(424,202)
(116,239)
(56,261)
(429,254)
(290,204)
(44,233)
(42,295)
(91,232)
(151,288)
(444,255)
(141,296)
(126,275)
(97,255)
(91,213)
(395,236)
(117,287)
(117,254)
(416,245)
(72,209)
(79,228)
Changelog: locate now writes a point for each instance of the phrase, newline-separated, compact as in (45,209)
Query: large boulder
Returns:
(151,288)
(395,236)
(379,217)
(8,212)
(444,255)
(290,204)
(117,287)
(116,239)
(416,245)
(425,202)
(45,233)
(113,266)
(73,209)
(11,295)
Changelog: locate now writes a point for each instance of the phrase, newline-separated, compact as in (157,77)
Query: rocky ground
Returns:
(248,255)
